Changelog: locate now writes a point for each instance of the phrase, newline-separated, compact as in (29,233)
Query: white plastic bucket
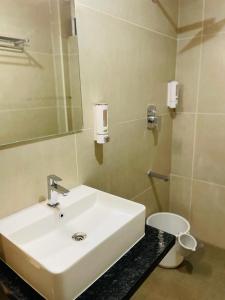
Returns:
(178,226)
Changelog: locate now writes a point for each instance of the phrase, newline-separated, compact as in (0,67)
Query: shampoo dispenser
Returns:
(101,133)
(173,94)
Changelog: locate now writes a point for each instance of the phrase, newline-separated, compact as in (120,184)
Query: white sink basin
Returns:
(37,242)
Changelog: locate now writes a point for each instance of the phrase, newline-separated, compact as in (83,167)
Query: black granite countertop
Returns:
(118,283)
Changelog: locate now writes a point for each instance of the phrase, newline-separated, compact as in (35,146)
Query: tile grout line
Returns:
(200,113)
(141,193)
(126,122)
(198,180)
(138,119)
(2,111)
(47,53)
(202,34)
(196,112)
(148,189)
(129,22)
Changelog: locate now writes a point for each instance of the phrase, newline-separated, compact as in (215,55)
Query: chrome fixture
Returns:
(152,118)
(53,186)
(9,43)
(157,175)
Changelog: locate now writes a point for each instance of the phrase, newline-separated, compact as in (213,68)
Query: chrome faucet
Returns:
(53,186)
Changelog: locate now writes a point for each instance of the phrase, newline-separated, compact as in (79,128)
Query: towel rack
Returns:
(12,43)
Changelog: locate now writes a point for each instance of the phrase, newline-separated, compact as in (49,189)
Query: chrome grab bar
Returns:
(157,175)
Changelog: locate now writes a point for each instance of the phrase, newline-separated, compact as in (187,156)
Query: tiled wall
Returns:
(198,160)
(37,84)
(127,55)
(27,79)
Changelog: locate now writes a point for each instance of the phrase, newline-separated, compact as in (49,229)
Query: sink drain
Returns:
(79,236)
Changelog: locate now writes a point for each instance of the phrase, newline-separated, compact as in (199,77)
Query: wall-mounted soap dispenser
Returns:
(101,132)
(173,94)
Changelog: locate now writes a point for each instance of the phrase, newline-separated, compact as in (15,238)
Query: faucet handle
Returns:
(53,178)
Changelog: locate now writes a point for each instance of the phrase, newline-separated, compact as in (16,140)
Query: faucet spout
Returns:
(53,186)
(60,189)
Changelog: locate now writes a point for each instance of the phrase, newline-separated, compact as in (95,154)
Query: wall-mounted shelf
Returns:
(9,43)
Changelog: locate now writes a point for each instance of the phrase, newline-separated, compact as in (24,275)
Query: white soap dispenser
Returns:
(101,131)
(173,94)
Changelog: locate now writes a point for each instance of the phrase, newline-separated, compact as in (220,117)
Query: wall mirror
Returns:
(40,94)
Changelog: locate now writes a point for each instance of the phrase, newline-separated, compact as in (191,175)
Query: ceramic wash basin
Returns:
(61,251)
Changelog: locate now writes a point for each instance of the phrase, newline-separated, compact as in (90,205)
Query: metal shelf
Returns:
(12,43)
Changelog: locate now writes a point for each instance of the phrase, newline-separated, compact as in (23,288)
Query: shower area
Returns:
(197,180)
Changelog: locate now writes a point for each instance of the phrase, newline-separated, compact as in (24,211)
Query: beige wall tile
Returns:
(209,161)
(161,161)
(212,88)
(190,18)
(155,199)
(180,195)
(187,72)
(148,200)
(210,144)
(161,193)
(27,98)
(74,80)
(119,166)
(15,124)
(24,171)
(124,65)
(63,117)
(27,20)
(161,16)
(61,88)
(75,118)
(208,211)
(215,13)
(182,144)
(34,78)
(26,81)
